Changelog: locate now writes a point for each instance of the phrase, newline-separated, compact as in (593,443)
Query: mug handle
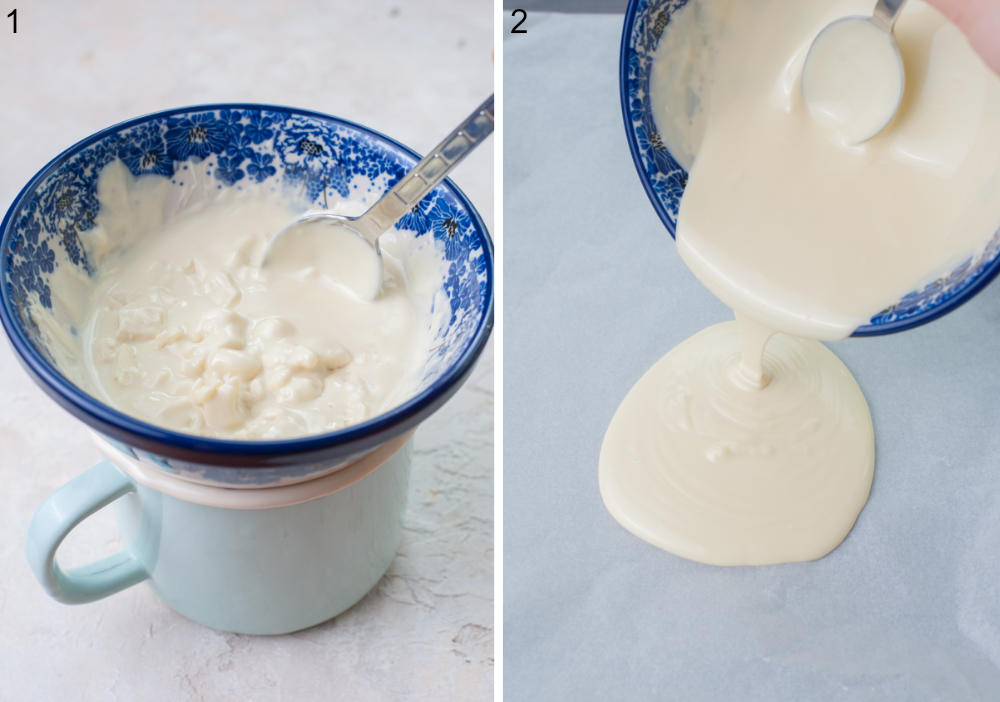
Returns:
(58,515)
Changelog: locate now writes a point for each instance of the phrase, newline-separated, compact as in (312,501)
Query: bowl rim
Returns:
(396,418)
(984,277)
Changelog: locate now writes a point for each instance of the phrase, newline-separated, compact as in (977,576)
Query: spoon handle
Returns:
(886,13)
(430,171)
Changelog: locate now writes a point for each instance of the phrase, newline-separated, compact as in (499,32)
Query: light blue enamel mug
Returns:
(245,536)
(253,561)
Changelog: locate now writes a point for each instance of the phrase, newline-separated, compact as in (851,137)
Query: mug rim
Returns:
(257,497)
(984,277)
(353,439)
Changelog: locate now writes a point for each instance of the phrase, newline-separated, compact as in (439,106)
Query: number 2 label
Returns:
(524,16)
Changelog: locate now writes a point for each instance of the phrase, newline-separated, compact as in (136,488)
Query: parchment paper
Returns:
(908,608)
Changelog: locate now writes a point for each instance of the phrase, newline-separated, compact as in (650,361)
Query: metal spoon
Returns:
(853,78)
(346,249)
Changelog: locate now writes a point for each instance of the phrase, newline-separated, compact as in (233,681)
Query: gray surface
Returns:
(613,6)
(907,608)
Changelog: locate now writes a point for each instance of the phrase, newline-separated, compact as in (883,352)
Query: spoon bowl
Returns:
(333,245)
(853,77)
(345,250)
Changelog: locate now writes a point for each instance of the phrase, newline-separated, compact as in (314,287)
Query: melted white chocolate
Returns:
(187,330)
(709,467)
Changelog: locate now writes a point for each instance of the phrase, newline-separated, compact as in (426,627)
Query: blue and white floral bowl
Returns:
(664,178)
(241,146)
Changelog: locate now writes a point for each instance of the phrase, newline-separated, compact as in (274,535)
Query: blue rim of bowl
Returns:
(984,277)
(63,390)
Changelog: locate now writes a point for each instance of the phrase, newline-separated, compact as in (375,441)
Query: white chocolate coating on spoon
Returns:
(342,256)
(853,78)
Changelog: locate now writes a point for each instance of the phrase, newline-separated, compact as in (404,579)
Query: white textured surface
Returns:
(411,70)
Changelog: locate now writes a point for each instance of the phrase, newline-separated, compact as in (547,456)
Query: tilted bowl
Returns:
(664,178)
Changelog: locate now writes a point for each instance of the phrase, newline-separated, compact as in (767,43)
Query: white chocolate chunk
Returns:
(140,323)
(334,357)
(223,409)
(242,255)
(302,357)
(126,369)
(104,349)
(115,298)
(221,290)
(168,336)
(181,413)
(162,379)
(223,328)
(276,376)
(273,328)
(229,362)
(300,389)
(204,390)
(194,364)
